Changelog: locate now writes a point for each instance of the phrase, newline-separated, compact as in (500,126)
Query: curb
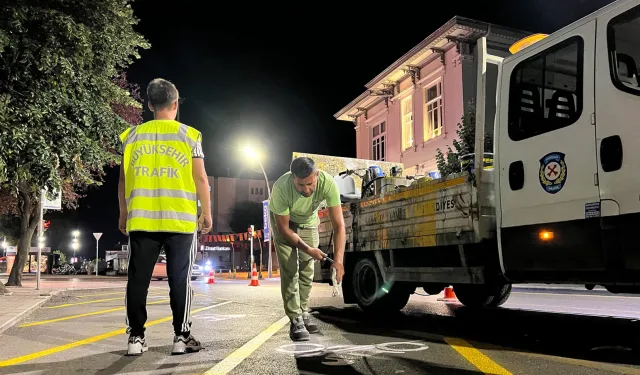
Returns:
(25,314)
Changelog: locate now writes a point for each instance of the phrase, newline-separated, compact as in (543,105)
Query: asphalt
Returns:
(540,330)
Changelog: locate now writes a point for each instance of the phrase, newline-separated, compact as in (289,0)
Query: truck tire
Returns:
(477,296)
(502,296)
(370,291)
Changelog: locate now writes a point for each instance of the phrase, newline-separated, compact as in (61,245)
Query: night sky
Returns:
(275,76)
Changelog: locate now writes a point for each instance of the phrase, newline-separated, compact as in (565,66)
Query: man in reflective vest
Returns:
(162,177)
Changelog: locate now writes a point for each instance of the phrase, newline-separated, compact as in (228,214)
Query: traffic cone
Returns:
(212,278)
(449,295)
(254,277)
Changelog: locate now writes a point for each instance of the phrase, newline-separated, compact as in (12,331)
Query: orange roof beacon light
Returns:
(526,42)
(545,235)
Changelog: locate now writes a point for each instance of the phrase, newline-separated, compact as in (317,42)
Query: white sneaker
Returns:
(137,345)
(182,345)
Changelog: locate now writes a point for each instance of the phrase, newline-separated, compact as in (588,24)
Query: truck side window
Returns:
(623,39)
(545,93)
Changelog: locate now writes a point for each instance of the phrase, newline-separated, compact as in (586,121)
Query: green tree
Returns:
(449,163)
(59,93)
(244,214)
(62,260)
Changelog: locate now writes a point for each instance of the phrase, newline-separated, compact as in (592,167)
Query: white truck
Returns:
(562,203)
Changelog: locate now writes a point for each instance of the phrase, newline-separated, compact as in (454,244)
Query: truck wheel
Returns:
(476,296)
(502,296)
(370,291)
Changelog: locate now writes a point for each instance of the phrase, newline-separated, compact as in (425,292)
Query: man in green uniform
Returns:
(294,204)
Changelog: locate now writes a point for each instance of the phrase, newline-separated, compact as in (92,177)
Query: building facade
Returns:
(413,107)
(226,192)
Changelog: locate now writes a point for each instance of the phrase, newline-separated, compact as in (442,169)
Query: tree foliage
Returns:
(62,260)
(244,214)
(449,163)
(62,102)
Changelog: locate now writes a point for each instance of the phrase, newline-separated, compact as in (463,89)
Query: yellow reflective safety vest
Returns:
(159,186)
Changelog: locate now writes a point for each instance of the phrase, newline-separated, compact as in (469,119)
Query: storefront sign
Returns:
(216,248)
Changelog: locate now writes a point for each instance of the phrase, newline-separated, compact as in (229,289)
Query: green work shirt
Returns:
(285,199)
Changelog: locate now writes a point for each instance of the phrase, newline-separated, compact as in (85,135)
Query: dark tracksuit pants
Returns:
(144,250)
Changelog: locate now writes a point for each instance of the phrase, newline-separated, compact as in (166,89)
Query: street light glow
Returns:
(250,152)
(76,233)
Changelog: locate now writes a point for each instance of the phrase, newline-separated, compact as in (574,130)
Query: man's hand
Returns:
(205,223)
(122,223)
(339,270)
(315,253)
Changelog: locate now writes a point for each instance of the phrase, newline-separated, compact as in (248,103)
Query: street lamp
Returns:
(251,154)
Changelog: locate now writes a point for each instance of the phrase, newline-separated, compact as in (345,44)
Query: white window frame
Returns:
(379,140)
(429,132)
(406,120)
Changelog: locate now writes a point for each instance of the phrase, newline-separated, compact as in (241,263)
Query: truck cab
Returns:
(567,153)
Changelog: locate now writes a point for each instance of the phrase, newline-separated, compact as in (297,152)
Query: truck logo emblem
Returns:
(553,172)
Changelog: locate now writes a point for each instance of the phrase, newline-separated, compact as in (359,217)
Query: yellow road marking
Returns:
(572,361)
(90,340)
(99,294)
(96,301)
(41,322)
(114,293)
(234,359)
(473,355)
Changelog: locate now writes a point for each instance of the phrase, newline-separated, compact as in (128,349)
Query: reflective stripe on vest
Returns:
(159,187)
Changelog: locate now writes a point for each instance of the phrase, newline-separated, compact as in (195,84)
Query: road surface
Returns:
(539,331)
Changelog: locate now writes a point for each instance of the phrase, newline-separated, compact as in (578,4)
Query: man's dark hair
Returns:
(302,167)
(161,93)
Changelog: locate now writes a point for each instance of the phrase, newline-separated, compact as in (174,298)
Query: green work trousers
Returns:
(296,270)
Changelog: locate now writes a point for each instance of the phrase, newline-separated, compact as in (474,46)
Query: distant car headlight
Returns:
(197,267)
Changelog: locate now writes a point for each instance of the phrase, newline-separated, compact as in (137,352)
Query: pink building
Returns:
(413,107)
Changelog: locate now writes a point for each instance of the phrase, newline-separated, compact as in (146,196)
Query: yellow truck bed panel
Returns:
(433,213)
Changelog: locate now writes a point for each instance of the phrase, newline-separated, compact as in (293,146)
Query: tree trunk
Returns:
(28,225)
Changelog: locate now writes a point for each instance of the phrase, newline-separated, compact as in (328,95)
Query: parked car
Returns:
(160,269)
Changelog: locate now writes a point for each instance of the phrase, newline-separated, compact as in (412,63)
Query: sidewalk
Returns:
(20,302)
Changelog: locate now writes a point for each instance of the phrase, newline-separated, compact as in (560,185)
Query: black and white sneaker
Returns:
(137,345)
(182,345)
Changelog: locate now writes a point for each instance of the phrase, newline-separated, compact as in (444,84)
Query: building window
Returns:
(261,191)
(379,144)
(624,44)
(407,122)
(433,111)
(545,93)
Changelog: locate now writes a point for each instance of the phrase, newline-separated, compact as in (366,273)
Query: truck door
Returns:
(618,133)
(547,156)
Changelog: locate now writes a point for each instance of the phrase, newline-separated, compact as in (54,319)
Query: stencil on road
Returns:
(346,354)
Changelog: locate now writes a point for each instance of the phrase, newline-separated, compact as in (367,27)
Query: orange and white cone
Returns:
(449,295)
(212,278)
(254,277)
